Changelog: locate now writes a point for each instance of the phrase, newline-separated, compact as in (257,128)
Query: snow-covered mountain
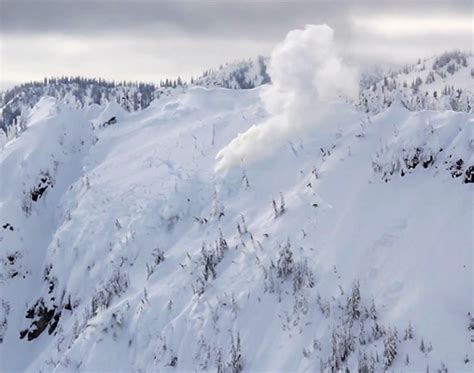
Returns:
(444,82)
(17,102)
(78,92)
(347,247)
(238,75)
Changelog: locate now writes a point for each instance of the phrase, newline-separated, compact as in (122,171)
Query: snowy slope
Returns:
(139,257)
(443,82)
(79,92)
(237,75)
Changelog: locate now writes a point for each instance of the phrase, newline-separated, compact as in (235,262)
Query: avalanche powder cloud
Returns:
(306,76)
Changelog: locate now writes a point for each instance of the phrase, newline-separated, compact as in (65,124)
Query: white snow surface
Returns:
(442,82)
(124,193)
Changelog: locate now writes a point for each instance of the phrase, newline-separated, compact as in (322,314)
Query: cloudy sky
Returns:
(150,40)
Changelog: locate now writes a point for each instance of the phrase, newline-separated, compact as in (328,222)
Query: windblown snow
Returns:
(306,75)
(348,245)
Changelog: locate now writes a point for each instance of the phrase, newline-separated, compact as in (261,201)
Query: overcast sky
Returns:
(150,40)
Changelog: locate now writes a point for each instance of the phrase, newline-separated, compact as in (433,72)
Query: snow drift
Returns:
(306,75)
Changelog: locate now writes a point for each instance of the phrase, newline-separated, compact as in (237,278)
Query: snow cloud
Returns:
(306,76)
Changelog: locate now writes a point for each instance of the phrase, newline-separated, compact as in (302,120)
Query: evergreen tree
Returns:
(285,263)
(390,347)
(236,363)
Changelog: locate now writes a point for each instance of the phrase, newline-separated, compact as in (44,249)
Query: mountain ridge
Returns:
(348,246)
(414,85)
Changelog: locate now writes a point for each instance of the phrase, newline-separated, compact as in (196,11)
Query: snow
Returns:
(283,227)
(306,75)
(148,181)
(237,75)
(443,82)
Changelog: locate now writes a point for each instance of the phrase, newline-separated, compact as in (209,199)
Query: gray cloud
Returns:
(256,19)
(238,19)
(153,39)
